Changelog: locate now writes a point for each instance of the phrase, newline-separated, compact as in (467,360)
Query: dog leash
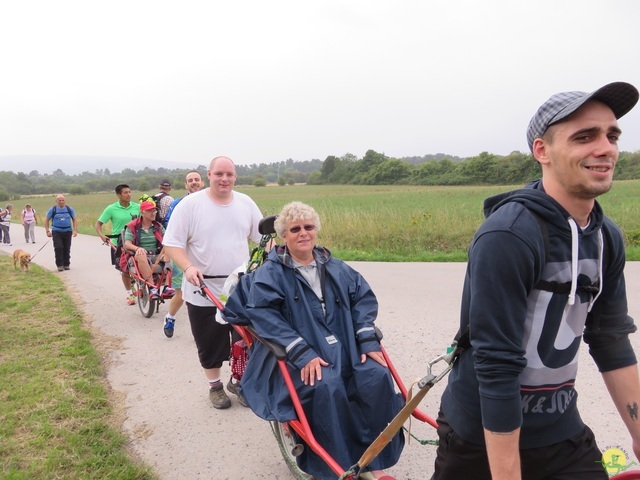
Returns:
(45,244)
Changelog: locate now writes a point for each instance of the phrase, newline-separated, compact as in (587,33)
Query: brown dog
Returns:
(23,257)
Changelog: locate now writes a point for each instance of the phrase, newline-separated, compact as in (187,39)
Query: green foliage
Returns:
(388,172)
(328,167)
(628,166)
(378,169)
(372,169)
(315,179)
(77,189)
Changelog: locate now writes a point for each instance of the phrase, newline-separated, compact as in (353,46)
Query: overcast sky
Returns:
(264,81)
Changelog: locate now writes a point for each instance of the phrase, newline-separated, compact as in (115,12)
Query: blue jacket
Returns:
(353,402)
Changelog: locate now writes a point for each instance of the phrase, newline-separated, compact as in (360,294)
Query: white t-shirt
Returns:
(213,236)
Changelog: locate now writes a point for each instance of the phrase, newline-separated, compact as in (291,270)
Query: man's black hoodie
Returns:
(525,337)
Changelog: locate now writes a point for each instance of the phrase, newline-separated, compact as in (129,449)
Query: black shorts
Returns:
(576,458)
(212,338)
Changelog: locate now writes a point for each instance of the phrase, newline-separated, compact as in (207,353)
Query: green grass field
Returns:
(384,223)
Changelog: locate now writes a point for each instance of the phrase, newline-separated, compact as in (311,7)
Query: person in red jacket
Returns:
(143,236)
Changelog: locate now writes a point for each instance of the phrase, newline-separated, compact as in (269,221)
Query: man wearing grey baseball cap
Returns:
(545,270)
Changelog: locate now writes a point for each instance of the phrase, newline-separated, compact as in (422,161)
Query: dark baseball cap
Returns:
(165,183)
(620,97)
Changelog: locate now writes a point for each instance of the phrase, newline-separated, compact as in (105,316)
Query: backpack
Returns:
(156,198)
(135,226)
(238,359)
(59,220)
(119,249)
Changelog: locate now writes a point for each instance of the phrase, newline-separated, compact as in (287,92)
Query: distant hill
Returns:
(73,165)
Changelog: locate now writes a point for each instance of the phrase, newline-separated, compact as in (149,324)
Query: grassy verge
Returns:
(55,417)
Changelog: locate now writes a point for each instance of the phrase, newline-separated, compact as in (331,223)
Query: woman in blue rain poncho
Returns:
(322,312)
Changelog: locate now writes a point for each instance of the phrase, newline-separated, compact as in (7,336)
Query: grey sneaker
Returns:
(234,388)
(218,396)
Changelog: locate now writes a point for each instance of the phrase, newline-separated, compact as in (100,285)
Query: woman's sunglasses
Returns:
(307,228)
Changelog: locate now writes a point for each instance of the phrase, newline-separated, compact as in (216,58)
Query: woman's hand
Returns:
(313,370)
(377,356)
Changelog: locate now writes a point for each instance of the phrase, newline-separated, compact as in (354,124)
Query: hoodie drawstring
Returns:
(574,260)
(600,269)
(574,264)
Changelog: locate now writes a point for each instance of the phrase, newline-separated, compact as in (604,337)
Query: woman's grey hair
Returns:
(295,212)
(9,205)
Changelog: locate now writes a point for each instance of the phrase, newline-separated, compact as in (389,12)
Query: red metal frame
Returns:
(301,425)
(630,475)
(418,414)
(165,274)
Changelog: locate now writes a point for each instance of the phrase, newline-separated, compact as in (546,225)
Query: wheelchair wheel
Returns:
(146,305)
(290,448)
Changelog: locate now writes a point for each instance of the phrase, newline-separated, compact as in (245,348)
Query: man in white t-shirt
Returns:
(207,239)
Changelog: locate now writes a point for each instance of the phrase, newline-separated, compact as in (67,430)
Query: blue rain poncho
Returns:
(353,402)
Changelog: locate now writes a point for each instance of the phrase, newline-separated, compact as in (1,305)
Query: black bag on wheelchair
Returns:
(119,246)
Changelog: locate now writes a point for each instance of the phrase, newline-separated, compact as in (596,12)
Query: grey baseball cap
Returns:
(620,97)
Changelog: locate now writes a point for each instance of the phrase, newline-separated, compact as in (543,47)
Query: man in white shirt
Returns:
(207,238)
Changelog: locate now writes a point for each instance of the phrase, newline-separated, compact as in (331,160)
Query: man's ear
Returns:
(540,147)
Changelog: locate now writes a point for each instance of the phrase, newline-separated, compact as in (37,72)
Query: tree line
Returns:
(373,168)
(484,169)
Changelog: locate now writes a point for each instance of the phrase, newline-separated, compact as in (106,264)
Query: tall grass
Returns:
(390,223)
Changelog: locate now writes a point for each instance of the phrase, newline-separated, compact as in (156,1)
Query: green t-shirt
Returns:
(147,239)
(119,216)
